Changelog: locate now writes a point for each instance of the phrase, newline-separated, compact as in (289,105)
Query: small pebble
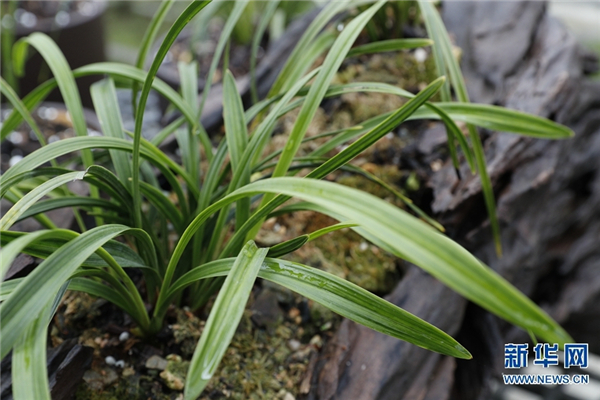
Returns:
(316,341)
(16,138)
(123,336)
(420,55)
(120,364)
(289,396)
(363,246)
(87,8)
(14,159)
(110,360)
(156,362)
(294,344)
(62,18)
(28,19)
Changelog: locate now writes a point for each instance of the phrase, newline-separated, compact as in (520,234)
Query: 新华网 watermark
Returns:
(516,356)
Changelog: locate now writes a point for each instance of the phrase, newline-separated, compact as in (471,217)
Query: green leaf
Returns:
(500,119)
(236,133)
(406,237)
(266,15)
(148,41)
(446,61)
(30,198)
(30,377)
(288,246)
(232,19)
(59,66)
(67,202)
(21,109)
(235,124)
(188,140)
(115,70)
(11,250)
(104,96)
(332,62)
(286,77)
(102,291)
(176,28)
(383,46)
(53,239)
(148,151)
(422,245)
(223,319)
(63,75)
(23,305)
(341,158)
(344,298)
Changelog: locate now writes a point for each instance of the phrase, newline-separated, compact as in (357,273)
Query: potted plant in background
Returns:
(75,25)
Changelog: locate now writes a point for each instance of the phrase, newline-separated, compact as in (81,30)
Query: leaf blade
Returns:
(223,319)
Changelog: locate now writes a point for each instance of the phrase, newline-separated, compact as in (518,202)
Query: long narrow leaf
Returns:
(408,238)
(30,198)
(343,297)
(148,41)
(30,377)
(176,28)
(223,319)
(115,70)
(21,109)
(63,75)
(104,96)
(445,59)
(382,46)
(285,78)
(267,14)
(22,307)
(232,19)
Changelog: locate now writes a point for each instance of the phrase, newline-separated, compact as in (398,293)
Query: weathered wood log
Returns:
(548,197)
(66,364)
